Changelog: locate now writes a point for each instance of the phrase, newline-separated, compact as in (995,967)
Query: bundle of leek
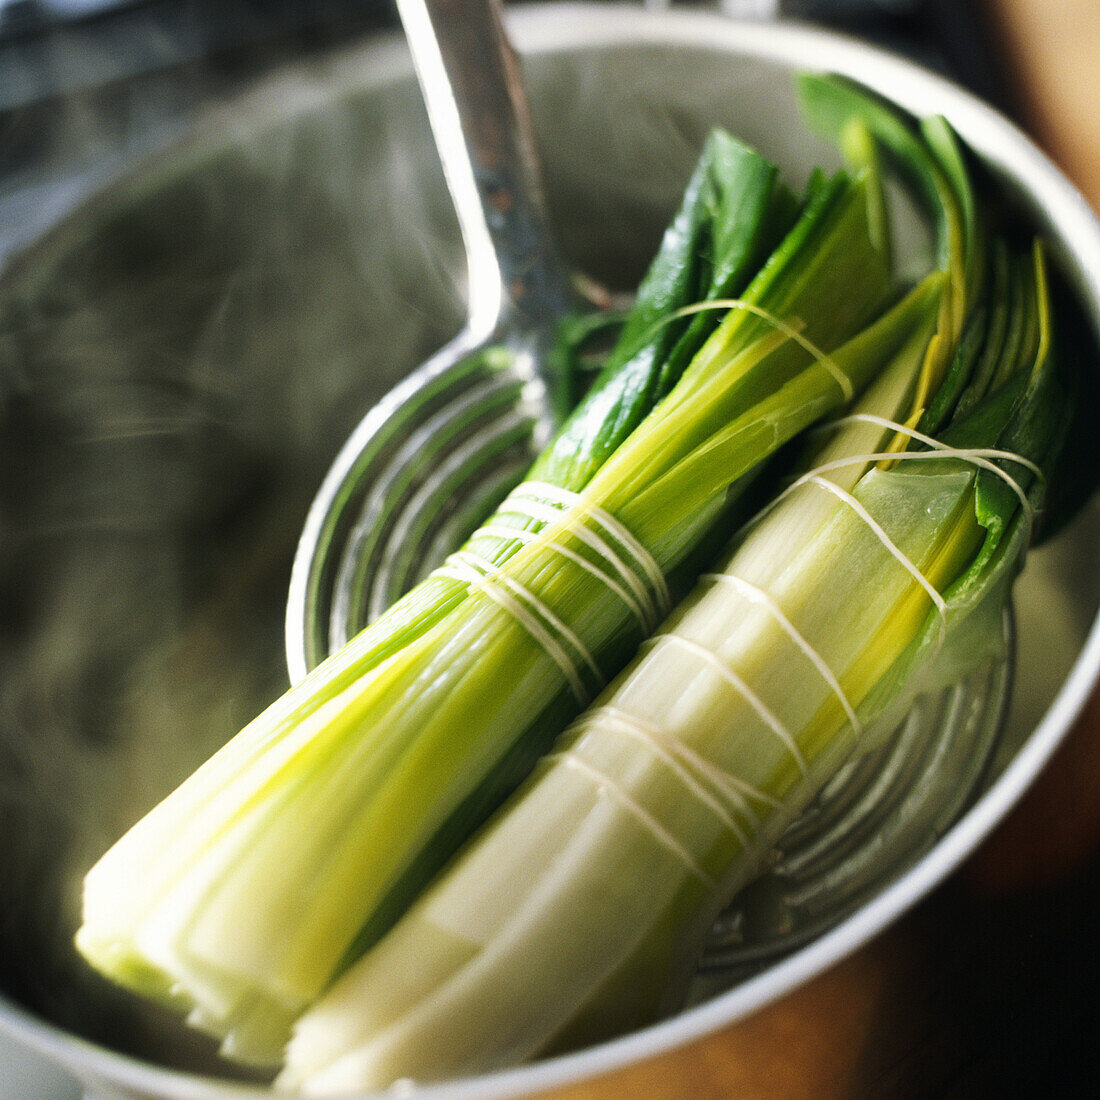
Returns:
(579,910)
(282,865)
(248,890)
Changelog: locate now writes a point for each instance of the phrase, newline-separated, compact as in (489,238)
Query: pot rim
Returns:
(1058,208)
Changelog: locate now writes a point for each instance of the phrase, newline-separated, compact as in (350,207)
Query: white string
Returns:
(733,786)
(641,604)
(534,615)
(619,721)
(710,659)
(566,499)
(512,597)
(611,526)
(759,596)
(842,379)
(978,456)
(931,441)
(644,613)
(641,555)
(465,572)
(637,609)
(494,575)
(883,537)
(550,513)
(639,812)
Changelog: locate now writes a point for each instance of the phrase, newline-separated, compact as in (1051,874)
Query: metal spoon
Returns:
(432,457)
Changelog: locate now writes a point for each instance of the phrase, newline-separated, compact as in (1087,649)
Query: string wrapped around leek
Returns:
(580,908)
(243,895)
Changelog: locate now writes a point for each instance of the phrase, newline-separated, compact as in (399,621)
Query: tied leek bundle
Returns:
(580,909)
(295,880)
(242,896)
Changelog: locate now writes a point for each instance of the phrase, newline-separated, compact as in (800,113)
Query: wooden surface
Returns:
(989,987)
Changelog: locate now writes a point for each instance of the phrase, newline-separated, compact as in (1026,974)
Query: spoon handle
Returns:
(471,83)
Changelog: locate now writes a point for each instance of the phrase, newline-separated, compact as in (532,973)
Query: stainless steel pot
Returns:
(180,357)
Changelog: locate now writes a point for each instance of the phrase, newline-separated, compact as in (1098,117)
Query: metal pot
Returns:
(182,354)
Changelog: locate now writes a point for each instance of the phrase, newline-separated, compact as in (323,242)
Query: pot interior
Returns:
(180,359)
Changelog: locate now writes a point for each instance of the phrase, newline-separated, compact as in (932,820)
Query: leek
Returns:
(579,909)
(249,890)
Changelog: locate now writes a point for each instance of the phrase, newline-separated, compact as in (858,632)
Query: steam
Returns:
(180,358)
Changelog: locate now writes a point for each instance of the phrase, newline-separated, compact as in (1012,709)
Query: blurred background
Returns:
(990,986)
(85,83)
